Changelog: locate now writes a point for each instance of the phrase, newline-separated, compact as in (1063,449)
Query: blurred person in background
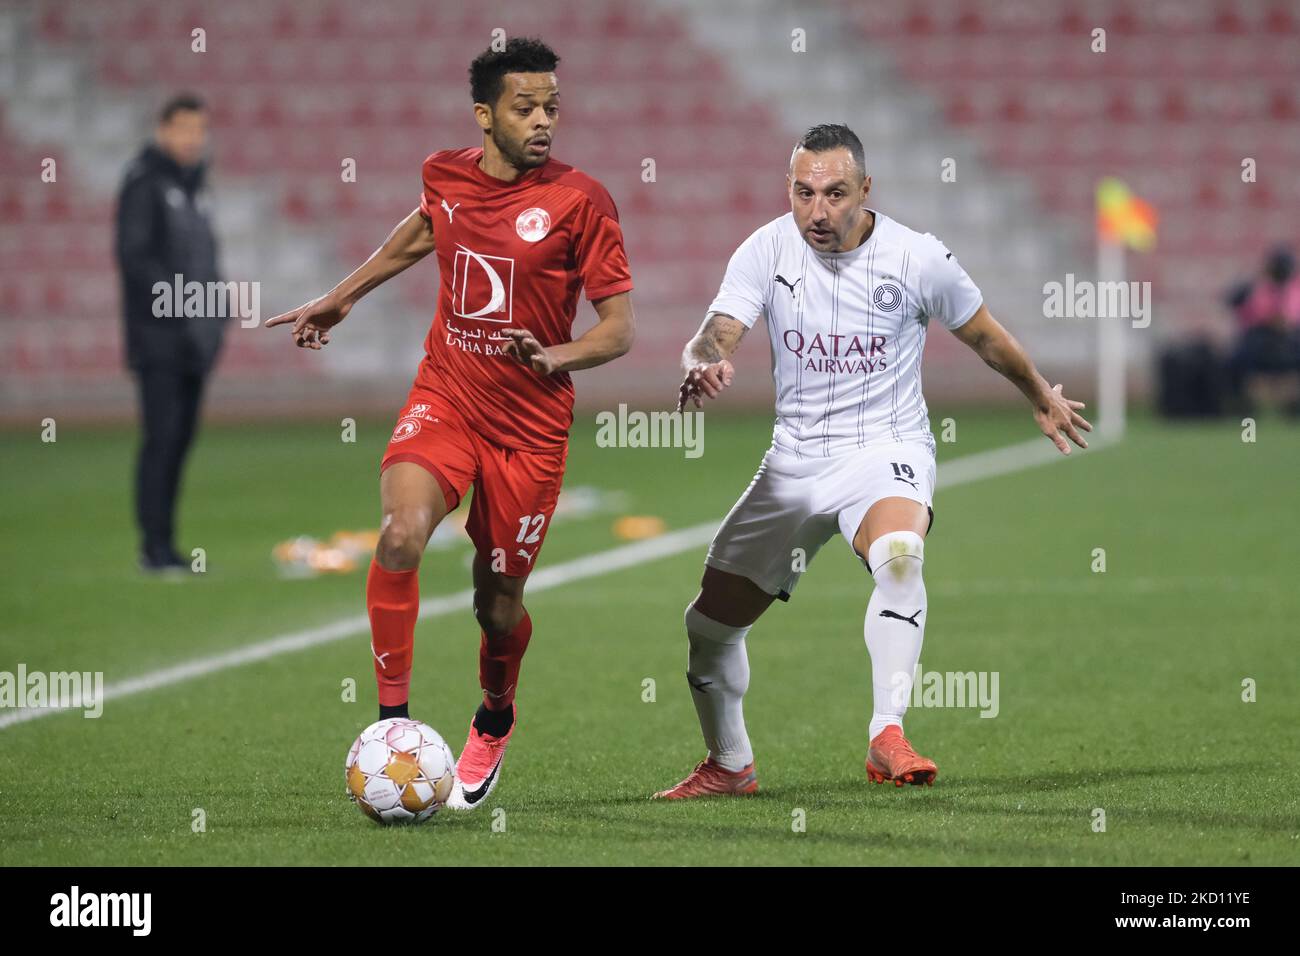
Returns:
(1265,362)
(164,231)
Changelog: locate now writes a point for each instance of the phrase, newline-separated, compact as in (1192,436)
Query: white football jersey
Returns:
(847,329)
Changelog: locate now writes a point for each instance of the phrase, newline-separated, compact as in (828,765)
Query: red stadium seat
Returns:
(1197,81)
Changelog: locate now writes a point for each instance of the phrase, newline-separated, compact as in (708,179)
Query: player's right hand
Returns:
(312,322)
(707,379)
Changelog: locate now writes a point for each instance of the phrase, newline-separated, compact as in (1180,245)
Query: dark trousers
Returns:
(1266,350)
(169,411)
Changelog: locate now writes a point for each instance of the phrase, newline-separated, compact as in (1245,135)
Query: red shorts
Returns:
(514,491)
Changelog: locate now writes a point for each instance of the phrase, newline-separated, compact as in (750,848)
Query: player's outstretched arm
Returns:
(705,359)
(409,242)
(1057,416)
(610,337)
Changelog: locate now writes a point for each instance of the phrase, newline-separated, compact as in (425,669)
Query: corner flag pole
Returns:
(1112,359)
(1123,220)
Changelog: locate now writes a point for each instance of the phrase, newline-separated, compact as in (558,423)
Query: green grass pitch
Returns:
(1120,691)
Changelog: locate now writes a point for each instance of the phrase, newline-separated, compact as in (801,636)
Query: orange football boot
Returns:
(479,766)
(709,779)
(891,757)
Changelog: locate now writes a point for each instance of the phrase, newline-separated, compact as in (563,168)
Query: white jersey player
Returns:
(849,295)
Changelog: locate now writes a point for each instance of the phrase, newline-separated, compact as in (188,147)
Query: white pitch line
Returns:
(968,468)
(615,559)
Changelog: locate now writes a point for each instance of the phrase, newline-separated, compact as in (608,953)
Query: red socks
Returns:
(393,602)
(498,664)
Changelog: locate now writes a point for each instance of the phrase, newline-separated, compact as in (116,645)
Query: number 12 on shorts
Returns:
(530,535)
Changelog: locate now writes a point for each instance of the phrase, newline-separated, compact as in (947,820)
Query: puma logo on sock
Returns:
(898,617)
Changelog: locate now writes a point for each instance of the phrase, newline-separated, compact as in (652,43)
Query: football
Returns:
(399,771)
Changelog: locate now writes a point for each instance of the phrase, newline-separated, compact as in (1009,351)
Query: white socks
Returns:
(895,624)
(718,673)
(718,669)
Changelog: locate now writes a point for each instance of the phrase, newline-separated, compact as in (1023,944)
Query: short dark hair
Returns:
(179,102)
(521,55)
(827,136)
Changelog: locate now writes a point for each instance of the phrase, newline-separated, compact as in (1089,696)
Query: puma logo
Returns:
(898,617)
(525,555)
(906,482)
(782,279)
(948,256)
(449,210)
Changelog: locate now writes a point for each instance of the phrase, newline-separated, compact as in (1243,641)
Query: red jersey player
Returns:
(518,236)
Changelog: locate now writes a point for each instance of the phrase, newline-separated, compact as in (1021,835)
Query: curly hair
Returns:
(521,55)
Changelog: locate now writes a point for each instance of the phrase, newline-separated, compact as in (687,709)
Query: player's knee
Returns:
(700,625)
(896,560)
(497,614)
(711,642)
(402,541)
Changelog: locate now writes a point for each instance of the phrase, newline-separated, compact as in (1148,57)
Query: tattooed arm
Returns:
(705,359)
(1056,415)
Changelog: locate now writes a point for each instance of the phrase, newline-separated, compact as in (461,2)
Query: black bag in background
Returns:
(1190,381)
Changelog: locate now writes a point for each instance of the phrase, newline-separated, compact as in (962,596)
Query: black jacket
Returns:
(163,229)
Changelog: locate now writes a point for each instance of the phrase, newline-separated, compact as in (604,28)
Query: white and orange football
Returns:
(399,771)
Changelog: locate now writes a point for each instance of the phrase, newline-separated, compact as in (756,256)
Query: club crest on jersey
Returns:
(482,286)
(406,428)
(533,224)
(887,297)
(408,425)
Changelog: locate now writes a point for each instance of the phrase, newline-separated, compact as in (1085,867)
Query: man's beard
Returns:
(514,153)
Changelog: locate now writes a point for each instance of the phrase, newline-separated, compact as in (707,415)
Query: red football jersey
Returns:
(513,255)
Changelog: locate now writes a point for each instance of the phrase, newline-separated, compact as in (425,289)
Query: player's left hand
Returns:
(526,350)
(706,379)
(1058,417)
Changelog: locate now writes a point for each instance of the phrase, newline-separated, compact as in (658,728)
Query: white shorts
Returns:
(793,507)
